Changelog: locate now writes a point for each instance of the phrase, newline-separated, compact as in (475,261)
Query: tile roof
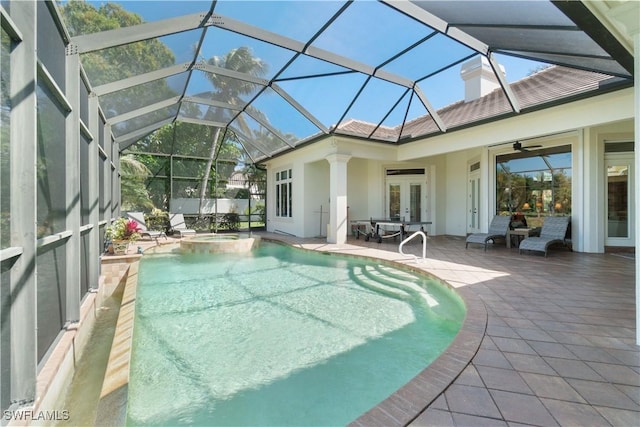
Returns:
(550,84)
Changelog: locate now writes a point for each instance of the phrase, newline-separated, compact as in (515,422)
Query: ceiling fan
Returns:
(518,146)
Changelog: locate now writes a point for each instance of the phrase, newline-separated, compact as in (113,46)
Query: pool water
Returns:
(279,336)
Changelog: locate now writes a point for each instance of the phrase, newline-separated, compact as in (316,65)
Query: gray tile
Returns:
(603,394)
(592,354)
(522,408)
(567,368)
(529,363)
(552,387)
(463,420)
(626,357)
(534,334)
(472,401)
(469,376)
(503,379)
(631,391)
(617,374)
(620,417)
(491,358)
(487,344)
(570,338)
(440,403)
(609,342)
(513,345)
(574,414)
(501,331)
(551,349)
(433,417)
(519,323)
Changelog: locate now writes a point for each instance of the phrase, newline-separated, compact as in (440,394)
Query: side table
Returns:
(520,233)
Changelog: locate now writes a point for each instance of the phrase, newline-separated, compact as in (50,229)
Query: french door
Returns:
(620,197)
(473,202)
(405,198)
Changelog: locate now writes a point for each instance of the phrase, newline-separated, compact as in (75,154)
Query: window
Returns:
(51,170)
(284,194)
(535,183)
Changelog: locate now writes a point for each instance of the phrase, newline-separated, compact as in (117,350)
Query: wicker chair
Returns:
(497,230)
(553,231)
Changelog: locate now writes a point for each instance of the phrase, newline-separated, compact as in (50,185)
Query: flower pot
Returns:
(120,247)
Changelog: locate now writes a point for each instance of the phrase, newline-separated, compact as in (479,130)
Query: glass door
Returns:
(619,201)
(404,199)
(473,203)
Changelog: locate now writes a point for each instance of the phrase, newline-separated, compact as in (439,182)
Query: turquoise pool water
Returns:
(279,336)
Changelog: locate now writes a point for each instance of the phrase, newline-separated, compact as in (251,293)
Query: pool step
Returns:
(399,279)
(398,274)
(375,285)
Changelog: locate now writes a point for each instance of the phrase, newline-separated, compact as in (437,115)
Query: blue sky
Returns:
(356,34)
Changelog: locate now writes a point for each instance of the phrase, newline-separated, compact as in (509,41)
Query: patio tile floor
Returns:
(559,346)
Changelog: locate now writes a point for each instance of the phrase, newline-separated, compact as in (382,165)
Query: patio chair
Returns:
(178,225)
(554,230)
(497,230)
(144,231)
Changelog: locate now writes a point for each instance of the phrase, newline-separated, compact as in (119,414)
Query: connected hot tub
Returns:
(219,243)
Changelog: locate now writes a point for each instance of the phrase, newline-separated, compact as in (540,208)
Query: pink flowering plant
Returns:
(123,229)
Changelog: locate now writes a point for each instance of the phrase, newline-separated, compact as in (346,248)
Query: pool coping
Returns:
(399,409)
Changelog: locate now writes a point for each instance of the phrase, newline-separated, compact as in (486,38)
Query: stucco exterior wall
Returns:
(455,198)
(316,198)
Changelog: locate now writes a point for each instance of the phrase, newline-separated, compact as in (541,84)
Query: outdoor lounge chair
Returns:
(554,230)
(178,225)
(497,230)
(144,231)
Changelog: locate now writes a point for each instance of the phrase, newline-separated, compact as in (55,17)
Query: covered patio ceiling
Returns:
(323,64)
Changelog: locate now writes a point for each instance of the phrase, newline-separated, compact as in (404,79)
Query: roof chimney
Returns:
(479,79)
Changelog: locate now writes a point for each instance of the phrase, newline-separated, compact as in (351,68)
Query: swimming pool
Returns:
(279,336)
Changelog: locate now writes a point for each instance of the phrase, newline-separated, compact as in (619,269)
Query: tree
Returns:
(120,62)
(133,191)
(230,91)
(113,64)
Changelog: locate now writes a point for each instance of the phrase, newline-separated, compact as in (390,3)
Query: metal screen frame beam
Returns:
(511,96)
(299,107)
(127,83)
(144,110)
(123,140)
(136,33)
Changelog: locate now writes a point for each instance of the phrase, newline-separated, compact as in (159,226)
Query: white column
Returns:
(636,90)
(72,184)
(338,225)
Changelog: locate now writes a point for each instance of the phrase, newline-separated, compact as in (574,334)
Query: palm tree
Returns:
(229,90)
(133,191)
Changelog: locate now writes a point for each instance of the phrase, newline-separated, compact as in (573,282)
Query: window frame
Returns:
(284,193)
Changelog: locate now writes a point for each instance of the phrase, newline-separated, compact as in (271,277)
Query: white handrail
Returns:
(424,244)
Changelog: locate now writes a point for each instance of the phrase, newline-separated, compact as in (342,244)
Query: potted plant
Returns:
(121,232)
